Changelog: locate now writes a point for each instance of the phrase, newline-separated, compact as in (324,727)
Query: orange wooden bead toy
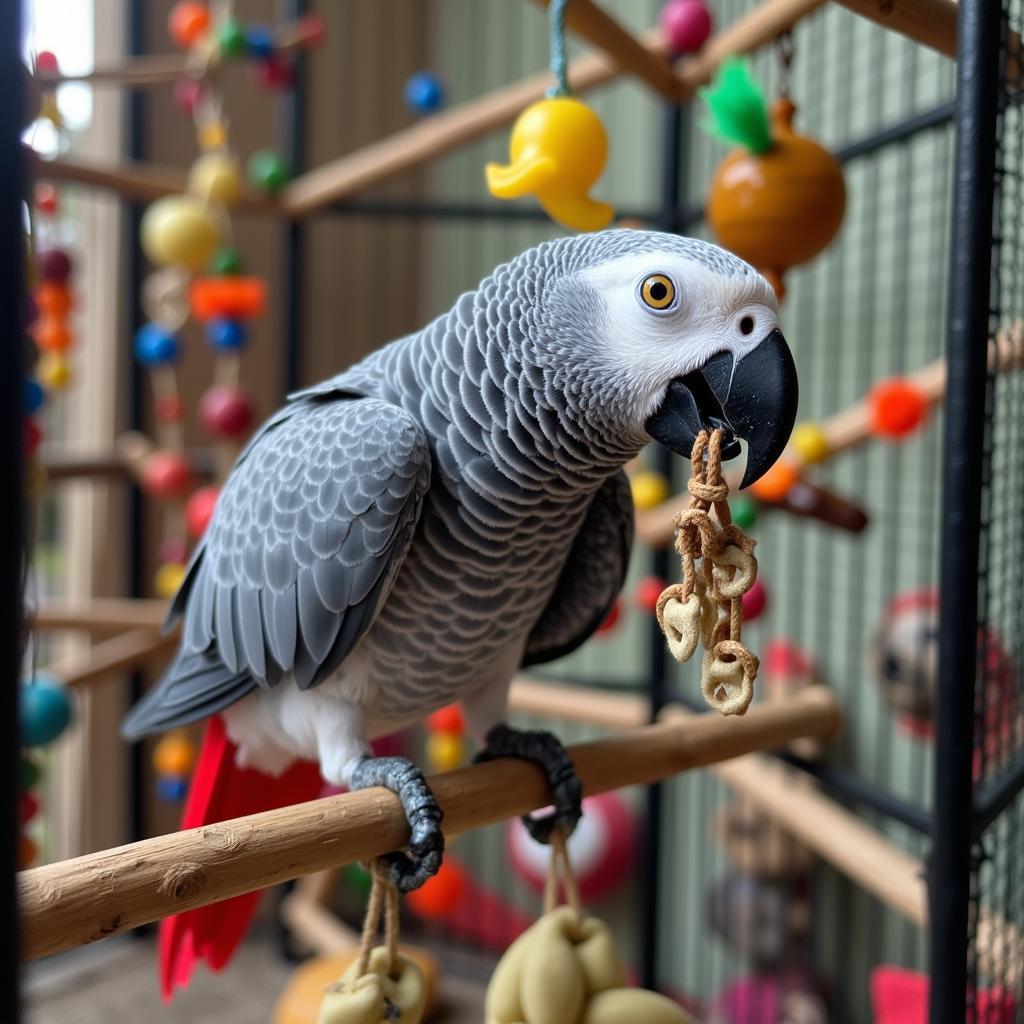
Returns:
(53,298)
(775,484)
(231,298)
(897,408)
(52,334)
(187,22)
(440,895)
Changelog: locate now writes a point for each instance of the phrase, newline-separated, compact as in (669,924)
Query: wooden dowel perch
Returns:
(119,654)
(101,614)
(79,901)
(929,22)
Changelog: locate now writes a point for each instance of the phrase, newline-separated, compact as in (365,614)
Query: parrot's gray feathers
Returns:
(591,578)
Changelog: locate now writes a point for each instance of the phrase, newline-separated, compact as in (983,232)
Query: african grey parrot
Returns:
(414,530)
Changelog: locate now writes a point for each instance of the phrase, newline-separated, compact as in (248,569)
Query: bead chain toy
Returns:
(707,607)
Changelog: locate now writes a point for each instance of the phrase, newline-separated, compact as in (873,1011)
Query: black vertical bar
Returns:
(967,347)
(12,249)
(651,900)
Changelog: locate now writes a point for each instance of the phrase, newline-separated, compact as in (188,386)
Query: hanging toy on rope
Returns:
(558,149)
(565,968)
(779,199)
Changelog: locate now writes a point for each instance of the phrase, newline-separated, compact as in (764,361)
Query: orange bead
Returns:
(28,850)
(175,755)
(897,408)
(187,22)
(447,719)
(53,298)
(230,298)
(52,334)
(775,484)
(439,896)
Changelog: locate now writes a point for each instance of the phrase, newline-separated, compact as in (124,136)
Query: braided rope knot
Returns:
(704,491)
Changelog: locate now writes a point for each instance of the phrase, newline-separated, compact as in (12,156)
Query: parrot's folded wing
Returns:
(308,536)
(591,578)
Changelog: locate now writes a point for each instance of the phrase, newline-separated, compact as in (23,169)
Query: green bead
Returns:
(29,773)
(358,878)
(268,170)
(226,261)
(231,38)
(744,511)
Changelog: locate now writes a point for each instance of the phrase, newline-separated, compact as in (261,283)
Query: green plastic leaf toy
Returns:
(739,113)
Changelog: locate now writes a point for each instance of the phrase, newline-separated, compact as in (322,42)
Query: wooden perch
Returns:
(74,902)
(101,615)
(601,30)
(929,22)
(122,462)
(119,654)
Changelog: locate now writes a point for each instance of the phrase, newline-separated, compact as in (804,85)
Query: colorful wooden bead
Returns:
(54,371)
(46,62)
(273,73)
(647,592)
(649,489)
(199,510)
(755,600)
(268,170)
(187,22)
(169,409)
(54,298)
(216,177)
(226,335)
(33,397)
(212,135)
(445,751)
(775,484)
(174,754)
(312,29)
(447,719)
(44,711)
(54,265)
(231,38)
(226,411)
(173,549)
(166,474)
(227,261)
(28,851)
(172,788)
(439,896)
(259,42)
(686,24)
(168,579)
(611,620)
(424,93)
(32,436)
(897,408)
(46,198)
(743,510)
(29,773)
(232,298)
(28,807)
(187,94)
(810,442)
(179,230)
(155,345)
(52,334)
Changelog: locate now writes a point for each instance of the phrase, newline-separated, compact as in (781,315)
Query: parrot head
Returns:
(654,336)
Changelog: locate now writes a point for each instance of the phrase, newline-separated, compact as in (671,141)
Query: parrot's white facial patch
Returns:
(709,313)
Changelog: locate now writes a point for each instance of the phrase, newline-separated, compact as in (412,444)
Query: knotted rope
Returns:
(707,607)
(560,873)
(383,902)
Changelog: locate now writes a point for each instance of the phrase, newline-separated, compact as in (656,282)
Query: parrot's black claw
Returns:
(410,870)
(546,751)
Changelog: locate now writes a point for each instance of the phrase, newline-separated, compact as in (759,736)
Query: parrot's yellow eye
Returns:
(658,292)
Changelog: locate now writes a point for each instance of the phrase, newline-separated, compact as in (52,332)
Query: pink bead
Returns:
(686,24)
(755,600)
(312,28)
(47,62)
(226,411)
(782,659)
(187,94)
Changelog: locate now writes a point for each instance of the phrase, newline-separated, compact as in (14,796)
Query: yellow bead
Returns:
(179,230)
(649,489)
(445,751)
(212,135)
(48,110)
(168,579)
(216,177)
(810,442)
(54,371)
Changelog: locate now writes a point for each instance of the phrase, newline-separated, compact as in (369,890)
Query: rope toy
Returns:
(382,986)
(707,607)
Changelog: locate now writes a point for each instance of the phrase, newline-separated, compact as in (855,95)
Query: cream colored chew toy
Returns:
(564,970)
(707,608)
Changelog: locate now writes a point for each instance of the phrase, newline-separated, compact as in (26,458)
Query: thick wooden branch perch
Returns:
(78,901)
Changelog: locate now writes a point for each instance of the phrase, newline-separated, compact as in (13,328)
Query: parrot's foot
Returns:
(546,751)
(410,870)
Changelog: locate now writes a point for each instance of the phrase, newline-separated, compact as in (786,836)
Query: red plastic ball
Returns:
(647,592)
(46,197)
(199,510)
(448,720)
(47,62)
(897,408)
(166,475)
(687,25)
(54,265)
(173,550)
(32,437)
(226,411)
(312,29)
(440,896)
(170,409)
(274,74)
(28,807)
(187,94)
(611,619)
(755,600)
(54,299)
(187,22)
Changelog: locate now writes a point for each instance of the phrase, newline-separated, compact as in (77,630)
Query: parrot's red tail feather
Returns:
(221,790)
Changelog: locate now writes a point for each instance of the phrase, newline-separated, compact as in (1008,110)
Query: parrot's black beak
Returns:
(753,399)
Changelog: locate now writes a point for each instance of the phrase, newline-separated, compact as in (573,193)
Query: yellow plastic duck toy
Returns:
(558,150)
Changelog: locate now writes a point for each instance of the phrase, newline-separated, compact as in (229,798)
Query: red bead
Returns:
(55,265)
(647,592)
(54,299)
(755,600)
(448,720)
(686,24)
(611,619)
(274,74)
(170,409)
(199,510)
(166,475)
(187,94)
(226,411)
(47,62)
(187,22)
(897,407)
(440,896)
(173,550)
(32,437)
(28,807)
(312,29)
(46,197)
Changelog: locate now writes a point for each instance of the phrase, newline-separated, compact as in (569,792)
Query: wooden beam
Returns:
(101,614)
(585,704)
(601,30)
(123,653)
(63,463)
(931,23)
(78,901)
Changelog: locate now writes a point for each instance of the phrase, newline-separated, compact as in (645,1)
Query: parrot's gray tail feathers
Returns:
(195,687)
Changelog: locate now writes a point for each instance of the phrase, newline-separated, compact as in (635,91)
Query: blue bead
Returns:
(423,92)
(33,396)
(228,335)
(155,345)
(259,41)
(171,787)
(45,711)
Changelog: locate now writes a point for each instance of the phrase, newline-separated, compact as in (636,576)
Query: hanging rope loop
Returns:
(559,57)
(383,902)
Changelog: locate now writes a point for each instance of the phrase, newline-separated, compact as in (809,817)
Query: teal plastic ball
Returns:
(45,711)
